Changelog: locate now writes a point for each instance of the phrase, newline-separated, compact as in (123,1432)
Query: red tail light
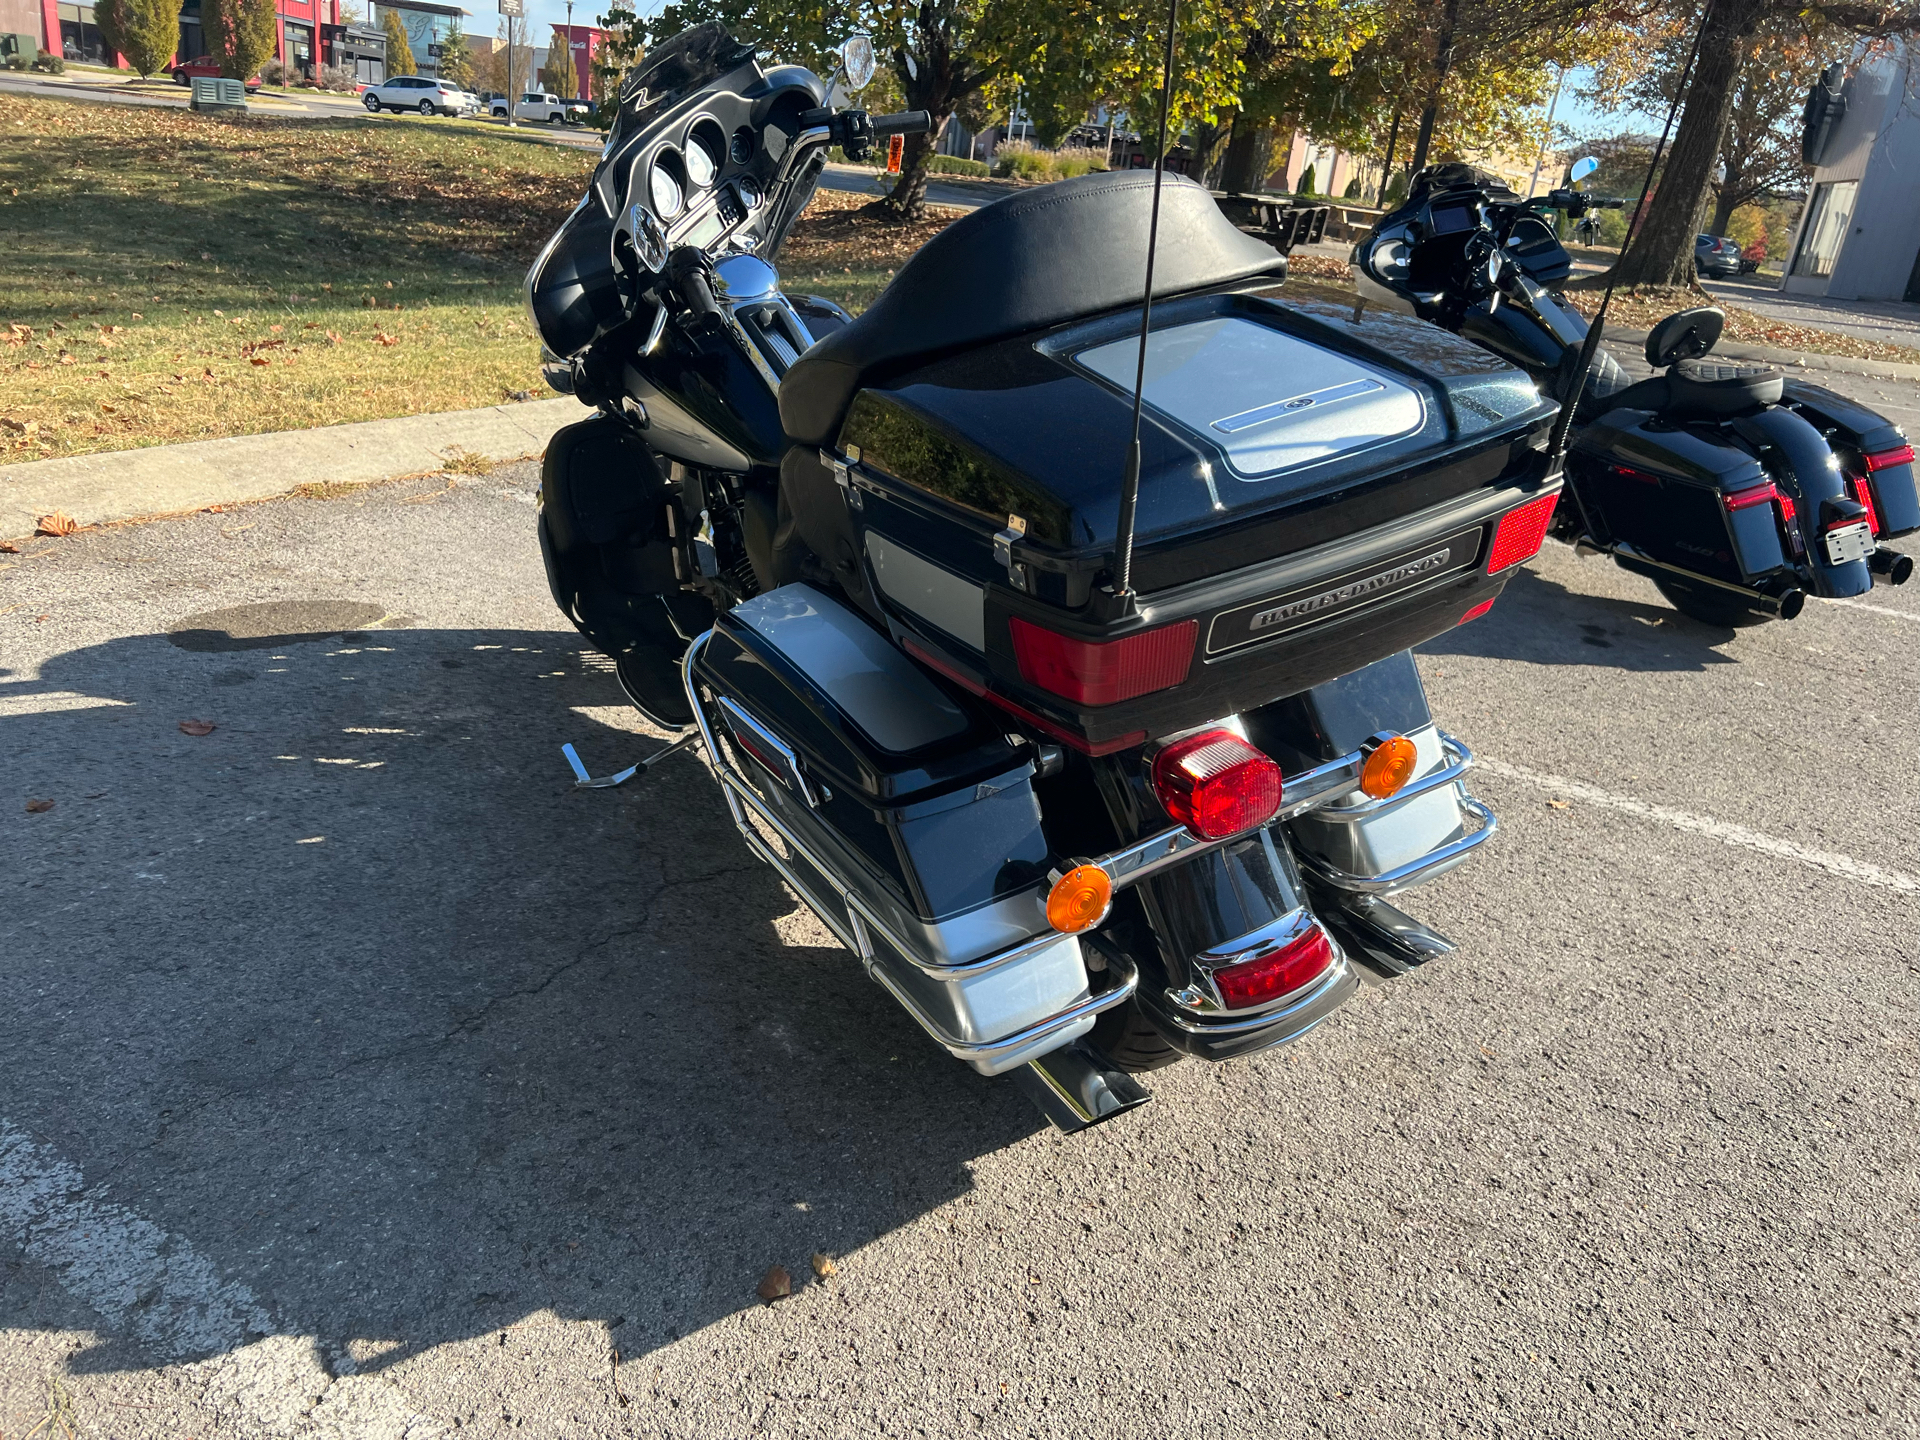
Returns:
(1885,459)
(1861,489)
(1216,784)
(1091,672)
(1254,982)
(1476,612)
(1521,533)
(1767,493)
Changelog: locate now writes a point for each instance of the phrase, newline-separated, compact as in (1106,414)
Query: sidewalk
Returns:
(170,479)
(1884,322)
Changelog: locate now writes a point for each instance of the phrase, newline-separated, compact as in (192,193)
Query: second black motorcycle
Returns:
(1737,490)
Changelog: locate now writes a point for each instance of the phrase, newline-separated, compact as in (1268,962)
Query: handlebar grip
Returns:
(1613,204)
(907,122)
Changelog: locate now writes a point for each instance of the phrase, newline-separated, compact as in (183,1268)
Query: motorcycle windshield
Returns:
(676,68)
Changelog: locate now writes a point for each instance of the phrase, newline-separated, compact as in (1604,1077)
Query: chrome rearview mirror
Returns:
(1582,169)
(856,58)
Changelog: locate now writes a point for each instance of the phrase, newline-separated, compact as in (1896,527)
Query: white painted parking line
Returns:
(51,702)
(143,1281)
(1844,866)
(1877,609)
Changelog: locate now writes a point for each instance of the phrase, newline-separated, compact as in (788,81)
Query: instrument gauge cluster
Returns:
(664,189)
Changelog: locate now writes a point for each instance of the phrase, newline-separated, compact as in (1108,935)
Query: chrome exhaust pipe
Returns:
(1075,1091)
(1890,567)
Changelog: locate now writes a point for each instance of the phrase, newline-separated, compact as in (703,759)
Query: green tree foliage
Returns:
(399,49)
(239,35)
(153,36)
(111,19)
(456,59)
(1307,180)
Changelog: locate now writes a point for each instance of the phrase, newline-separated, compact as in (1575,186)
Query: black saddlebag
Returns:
(1317,491)
(901,814)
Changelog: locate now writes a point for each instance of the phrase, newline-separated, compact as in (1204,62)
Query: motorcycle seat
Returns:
(1045,256)
(1703,390)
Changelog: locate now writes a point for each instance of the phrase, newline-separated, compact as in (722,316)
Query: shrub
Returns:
(52,64)
(1306,181)
(1019,160)
(273,72)
(337,77)
(957,165)
(17,61)
(1353,189)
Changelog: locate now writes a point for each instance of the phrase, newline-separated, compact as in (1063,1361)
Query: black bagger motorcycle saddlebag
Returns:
(1317,492)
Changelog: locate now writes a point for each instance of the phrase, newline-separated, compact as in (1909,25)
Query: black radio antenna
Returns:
(1563,422)
(1130,486)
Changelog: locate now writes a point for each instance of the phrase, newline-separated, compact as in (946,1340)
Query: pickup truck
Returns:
(542,106)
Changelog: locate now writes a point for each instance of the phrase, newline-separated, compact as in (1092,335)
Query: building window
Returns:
(1829,215)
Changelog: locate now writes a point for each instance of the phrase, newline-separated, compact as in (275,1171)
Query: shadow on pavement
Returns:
(361,1000)
(1540,621)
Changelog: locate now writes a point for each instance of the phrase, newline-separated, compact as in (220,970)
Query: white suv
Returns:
(417,92)
(543,106)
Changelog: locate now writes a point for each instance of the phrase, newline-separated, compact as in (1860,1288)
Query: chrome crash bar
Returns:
(859,925)
(1313,792)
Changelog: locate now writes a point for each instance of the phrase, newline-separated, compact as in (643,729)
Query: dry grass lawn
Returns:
(167,276)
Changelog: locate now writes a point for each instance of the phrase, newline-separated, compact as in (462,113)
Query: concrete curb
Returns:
(1769,355)
(169,479)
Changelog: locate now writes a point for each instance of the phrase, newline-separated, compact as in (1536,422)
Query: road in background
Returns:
(360,1077)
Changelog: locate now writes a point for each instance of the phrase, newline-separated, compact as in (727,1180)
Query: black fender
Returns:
(1802,464)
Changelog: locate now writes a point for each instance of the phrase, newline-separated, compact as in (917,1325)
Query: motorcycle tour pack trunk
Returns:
(1311,499)
(894,609)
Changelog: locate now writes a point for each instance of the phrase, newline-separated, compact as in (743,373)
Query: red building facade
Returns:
(68,30)
(582,44)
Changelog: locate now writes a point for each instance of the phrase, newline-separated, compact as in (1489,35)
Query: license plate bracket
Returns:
(1849,542)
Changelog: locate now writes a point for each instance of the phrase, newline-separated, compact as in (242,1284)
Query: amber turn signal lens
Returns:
(1079,899)
(1389,767)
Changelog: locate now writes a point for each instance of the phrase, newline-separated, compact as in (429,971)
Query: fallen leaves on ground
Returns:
(7,547)
(1558,804)
(197,727)
(776,1284)
(1321,267)
(39,807)
(58,523)
(1642,307)
(823,1265)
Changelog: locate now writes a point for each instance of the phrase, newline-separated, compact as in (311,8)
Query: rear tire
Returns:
(1710,606)
(1126,1038)
(426,107)
(373,105)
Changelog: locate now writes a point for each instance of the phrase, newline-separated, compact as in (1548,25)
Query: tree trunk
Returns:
(1248,153)
(932,88)
(1386,165)
(908,199)
(1726,200)
(1442,63)
(1662,253)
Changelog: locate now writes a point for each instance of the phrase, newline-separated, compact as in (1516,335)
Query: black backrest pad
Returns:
(1048,255)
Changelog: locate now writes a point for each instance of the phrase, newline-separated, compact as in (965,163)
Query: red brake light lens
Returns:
(1521,533)
(1883,459)
(1254,982)
(1089,672)
(1861,489)
(1216,784)
(1475,613)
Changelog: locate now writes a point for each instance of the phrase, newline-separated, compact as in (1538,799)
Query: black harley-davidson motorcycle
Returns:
(1738,491)
(1077,828)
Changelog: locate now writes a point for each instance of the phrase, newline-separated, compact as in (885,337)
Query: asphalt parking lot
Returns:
(358,1077)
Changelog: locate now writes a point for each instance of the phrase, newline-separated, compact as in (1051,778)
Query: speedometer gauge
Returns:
(665,190)
(700,166)
(649,241)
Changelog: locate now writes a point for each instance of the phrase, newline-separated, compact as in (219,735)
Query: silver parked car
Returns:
(418,92)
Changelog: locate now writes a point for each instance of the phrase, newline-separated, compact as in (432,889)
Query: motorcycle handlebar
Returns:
(907,122)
